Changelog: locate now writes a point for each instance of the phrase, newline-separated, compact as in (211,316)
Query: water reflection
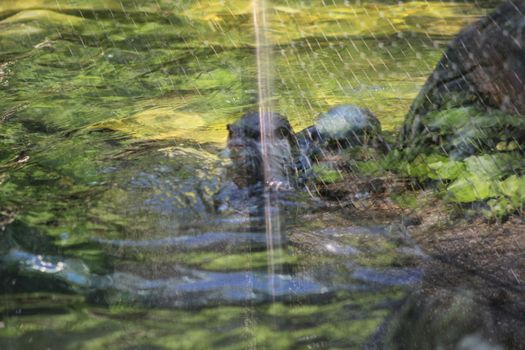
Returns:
(123,229)
(219,275)
(350,297)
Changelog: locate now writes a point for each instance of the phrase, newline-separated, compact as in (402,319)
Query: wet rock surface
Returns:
(341,127)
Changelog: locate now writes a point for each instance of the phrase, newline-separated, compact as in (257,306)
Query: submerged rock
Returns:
(483,70)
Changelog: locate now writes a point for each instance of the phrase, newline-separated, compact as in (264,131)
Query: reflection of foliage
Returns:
(221,327)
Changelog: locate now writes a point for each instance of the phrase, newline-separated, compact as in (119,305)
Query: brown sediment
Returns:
(481,258)
(473,270)
(490,251)
(463,251)
(366,193)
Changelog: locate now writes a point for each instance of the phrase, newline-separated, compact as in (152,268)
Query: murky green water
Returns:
(112,122)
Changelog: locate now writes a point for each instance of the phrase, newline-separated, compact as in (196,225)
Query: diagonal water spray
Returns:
(264,86)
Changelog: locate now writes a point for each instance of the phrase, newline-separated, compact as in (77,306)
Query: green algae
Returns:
(325,173)
(234,260)
(251,260)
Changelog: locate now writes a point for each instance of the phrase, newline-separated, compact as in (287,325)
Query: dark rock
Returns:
(412,221)
(484,66)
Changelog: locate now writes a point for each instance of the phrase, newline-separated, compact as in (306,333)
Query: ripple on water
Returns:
(208,240)
(190,287)
(202,288)
(389,276)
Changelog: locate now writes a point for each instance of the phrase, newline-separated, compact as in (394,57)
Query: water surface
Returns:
(113,120)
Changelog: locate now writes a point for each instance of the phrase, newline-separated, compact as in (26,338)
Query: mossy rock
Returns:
(475,93)
(464,131)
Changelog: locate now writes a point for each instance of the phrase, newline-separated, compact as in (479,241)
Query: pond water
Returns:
(113,120)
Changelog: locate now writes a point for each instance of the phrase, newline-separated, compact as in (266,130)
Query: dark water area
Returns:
(112,132)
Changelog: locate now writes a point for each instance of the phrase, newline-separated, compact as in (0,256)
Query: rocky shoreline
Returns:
(457,177)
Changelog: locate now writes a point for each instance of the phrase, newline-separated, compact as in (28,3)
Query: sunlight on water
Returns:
(264,89)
